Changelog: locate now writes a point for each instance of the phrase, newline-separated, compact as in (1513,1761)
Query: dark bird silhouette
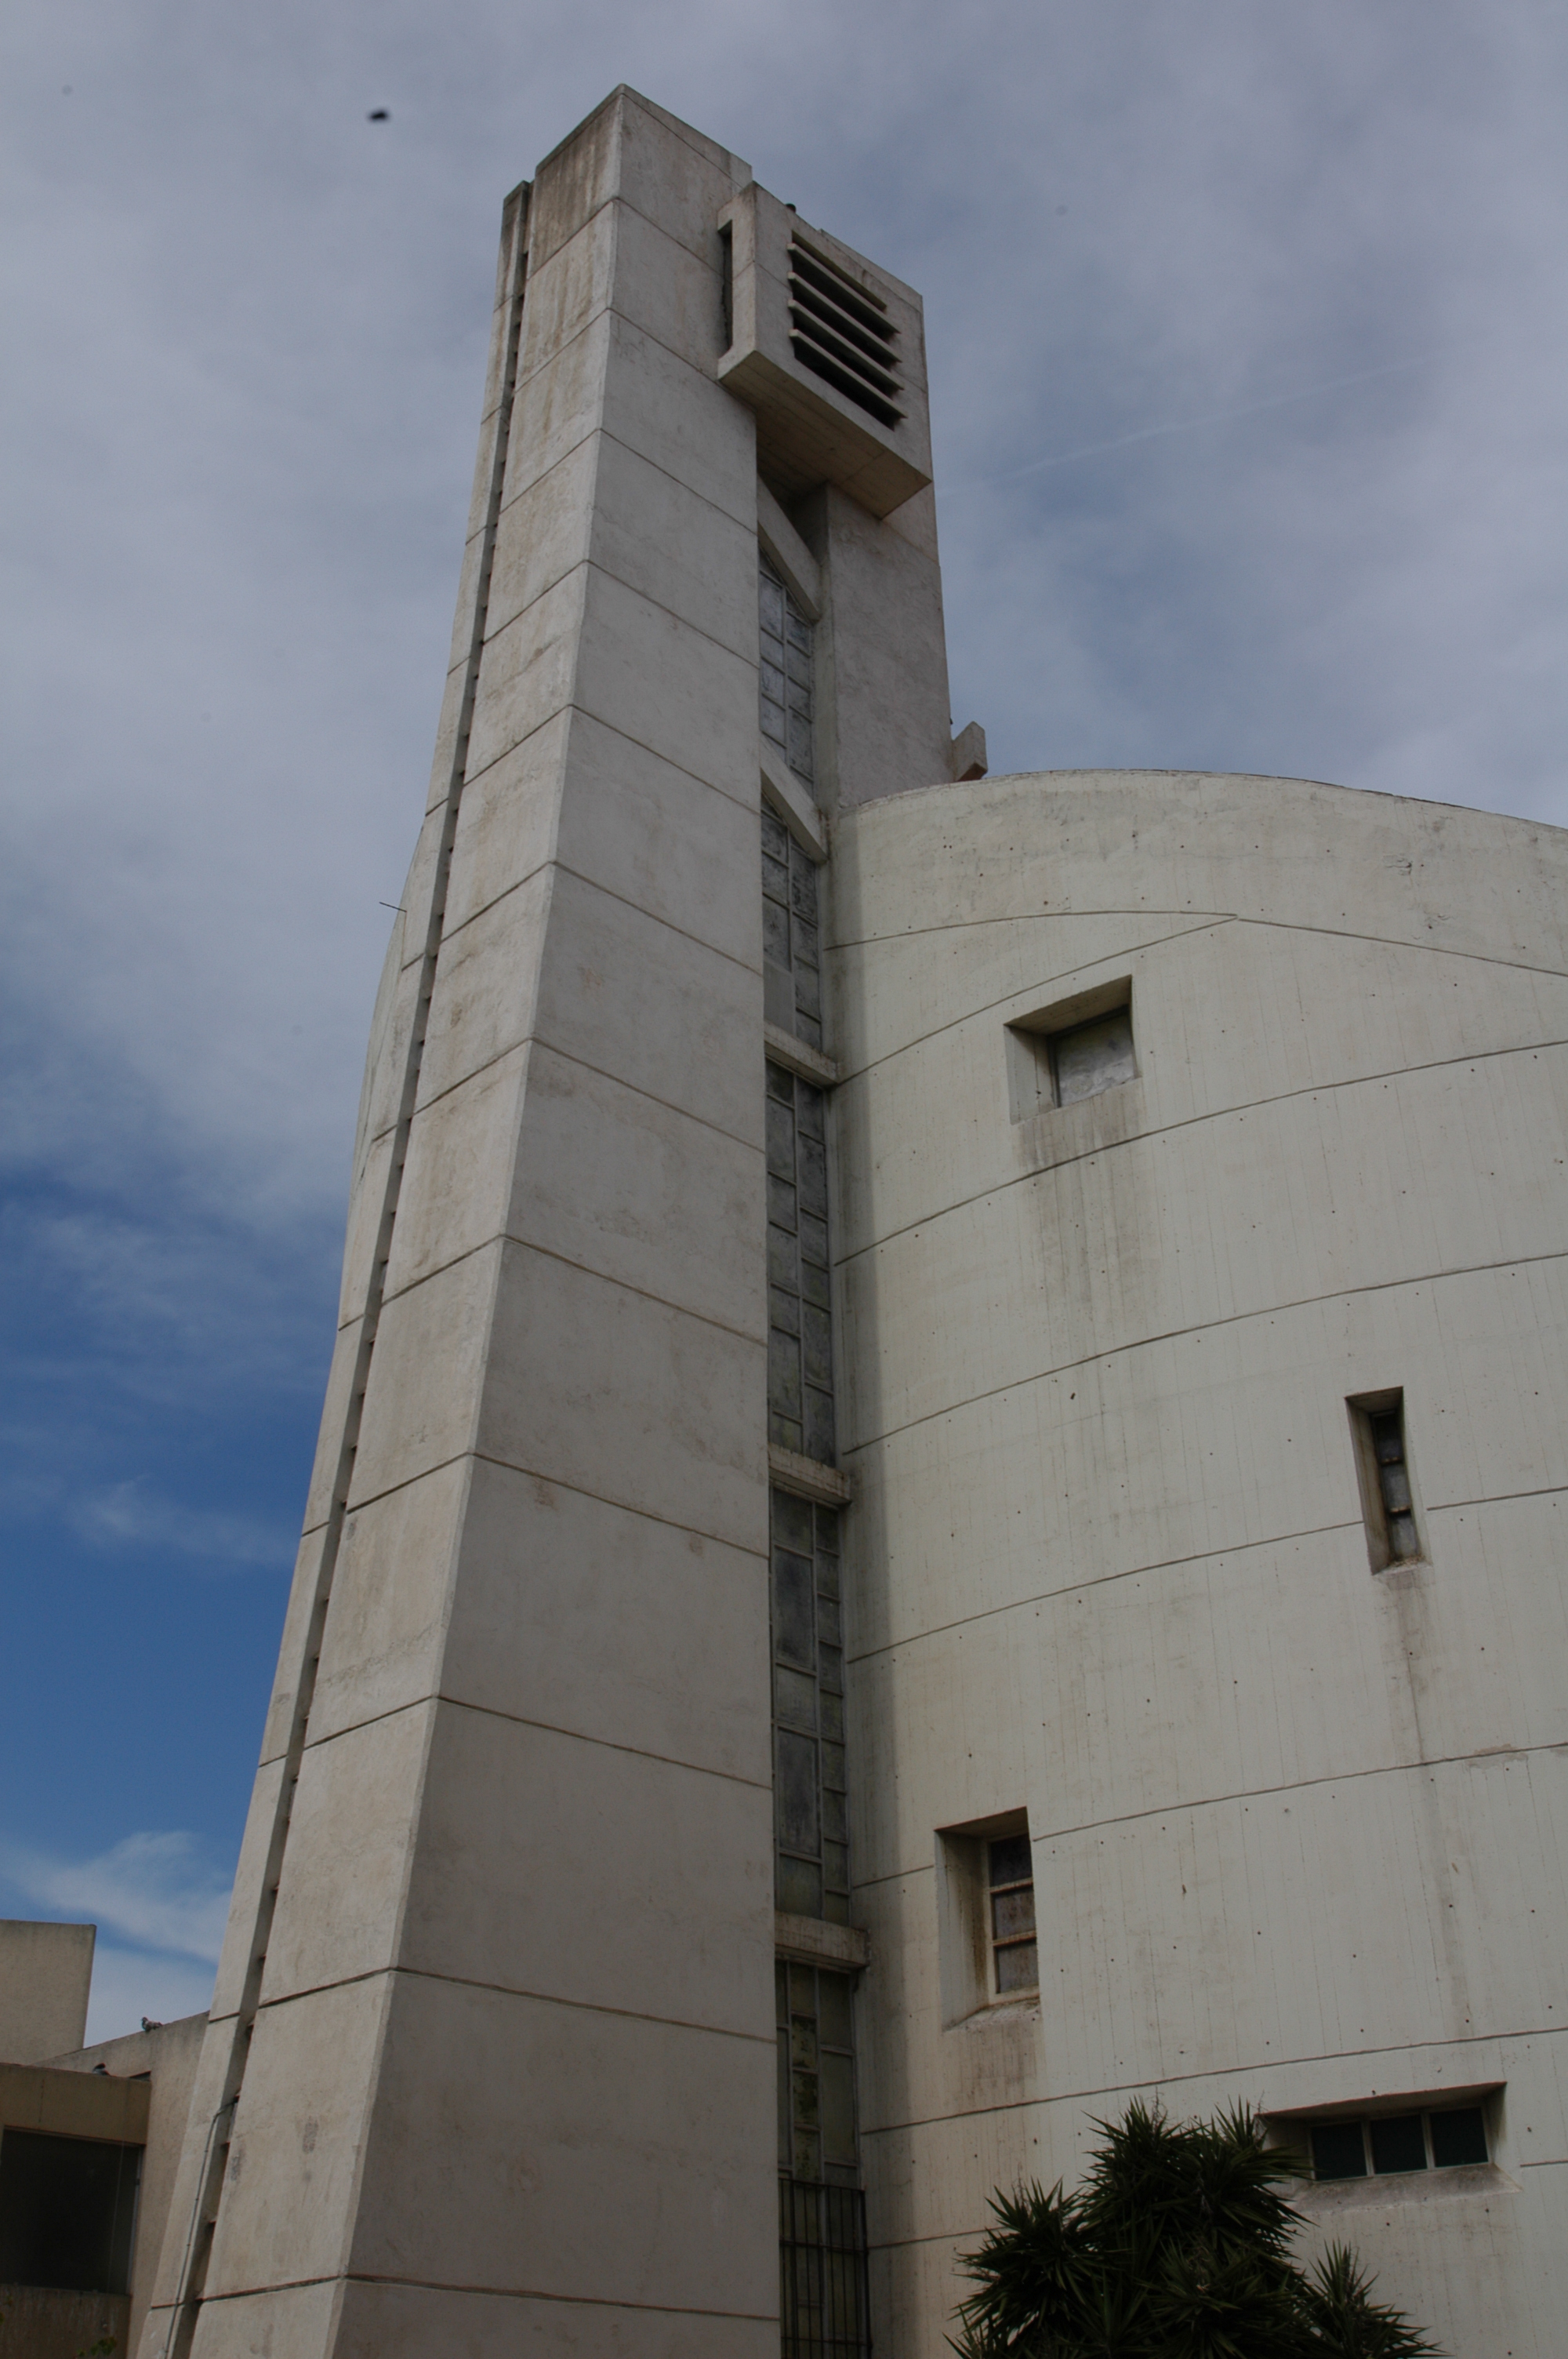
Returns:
(378,114)
(148,2025)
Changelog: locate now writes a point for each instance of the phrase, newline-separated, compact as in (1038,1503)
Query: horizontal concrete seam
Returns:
(1234,917)
(557,1483)
(744,799)
(1192,1804)
(748,663)
(472,778)
(547,1727)
(1104,1580)
(586,1269)
(616,197)
(535,1997)
(1209,2072)
(596,884)
(597,426)
(651,1514)
(1495,1499)
(1203,1327)
(1204,922)
(607,1744)
(1398,942)
(406,1482)
(591,563)
(608,310)
(1199,1556)
(568,1056)
(1196,1122)
(552,861)
(573,2301)
(485,2292)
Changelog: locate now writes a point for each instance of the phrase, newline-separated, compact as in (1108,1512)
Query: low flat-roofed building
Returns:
(90,2139)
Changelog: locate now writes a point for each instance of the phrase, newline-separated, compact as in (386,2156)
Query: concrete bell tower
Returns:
(492,2059)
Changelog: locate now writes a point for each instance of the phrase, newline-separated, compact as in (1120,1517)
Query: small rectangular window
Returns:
(1389,2146)
(987,1943)
(1388,1493)
(1015,1957)
(1075,1049)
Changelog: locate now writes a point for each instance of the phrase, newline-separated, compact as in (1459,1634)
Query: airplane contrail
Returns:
(1190,424)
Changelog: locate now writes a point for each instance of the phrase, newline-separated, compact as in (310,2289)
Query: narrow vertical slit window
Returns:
(817,2073)
(1388,1490)
(1010,1881)
(726,281)
(810,1811)
(800,1339)
(786,688)
(792,941)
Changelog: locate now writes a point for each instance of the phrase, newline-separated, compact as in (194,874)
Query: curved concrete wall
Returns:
(1298,1828)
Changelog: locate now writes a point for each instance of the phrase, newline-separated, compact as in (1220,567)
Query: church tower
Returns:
(491,2062)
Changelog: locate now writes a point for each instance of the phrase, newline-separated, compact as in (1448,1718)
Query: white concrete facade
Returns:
(1298,1828)
(492,2061)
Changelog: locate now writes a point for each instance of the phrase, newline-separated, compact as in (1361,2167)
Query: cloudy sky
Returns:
(1247,347)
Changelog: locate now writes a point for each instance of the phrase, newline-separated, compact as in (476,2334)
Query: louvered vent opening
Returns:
(841,332)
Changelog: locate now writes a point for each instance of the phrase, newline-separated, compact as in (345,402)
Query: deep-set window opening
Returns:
(1384,2146)
(1388,1490)
(1009,1879)
(1394,1482)
(1052,1063)
(1092,1057)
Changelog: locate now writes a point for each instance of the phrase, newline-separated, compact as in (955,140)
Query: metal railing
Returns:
(825,2312)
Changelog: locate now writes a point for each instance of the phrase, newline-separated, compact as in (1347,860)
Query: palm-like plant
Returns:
(1176,2246)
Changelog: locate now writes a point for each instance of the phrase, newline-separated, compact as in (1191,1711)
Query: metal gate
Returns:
(822,2271)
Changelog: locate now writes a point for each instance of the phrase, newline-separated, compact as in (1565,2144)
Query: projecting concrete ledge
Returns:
(800,1057)
(806,1479)
(811,1942)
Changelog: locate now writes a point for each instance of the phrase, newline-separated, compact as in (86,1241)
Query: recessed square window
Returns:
(988,1946)
(1077,1048)
(1388,1505)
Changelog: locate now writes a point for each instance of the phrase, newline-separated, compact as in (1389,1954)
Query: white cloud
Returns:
(126,1514)
(158,1891)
